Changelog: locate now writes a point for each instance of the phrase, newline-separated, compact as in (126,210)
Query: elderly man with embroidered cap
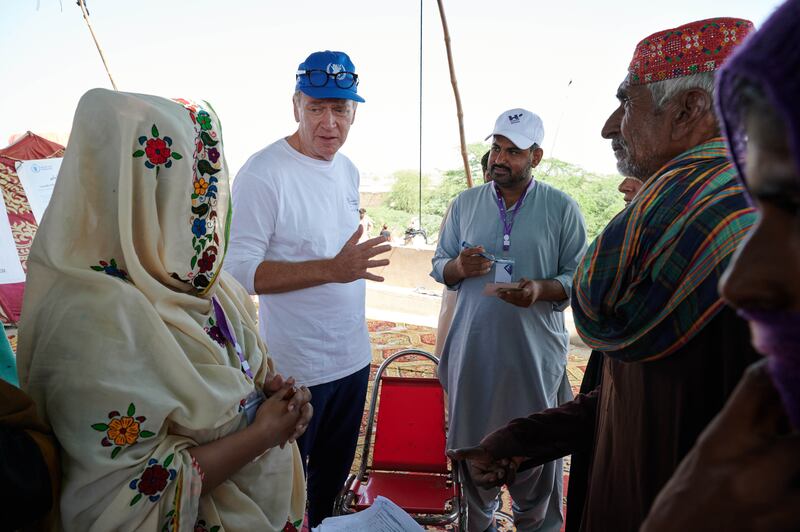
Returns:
(743,472)
(505,353)
(645,294)
(294,242)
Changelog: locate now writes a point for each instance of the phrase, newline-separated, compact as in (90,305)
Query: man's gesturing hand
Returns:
(354,259)
(485,471)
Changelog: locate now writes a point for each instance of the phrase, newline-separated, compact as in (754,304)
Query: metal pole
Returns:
(420,115)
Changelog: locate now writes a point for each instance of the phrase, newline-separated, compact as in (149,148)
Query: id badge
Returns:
(251,404)
(503,270)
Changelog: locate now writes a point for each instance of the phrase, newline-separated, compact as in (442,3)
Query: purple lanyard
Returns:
(508,222)
(227,332)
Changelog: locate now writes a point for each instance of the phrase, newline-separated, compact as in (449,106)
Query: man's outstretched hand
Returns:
(486,471)
(354,259)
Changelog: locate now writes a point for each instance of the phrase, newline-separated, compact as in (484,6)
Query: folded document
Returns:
(382,516)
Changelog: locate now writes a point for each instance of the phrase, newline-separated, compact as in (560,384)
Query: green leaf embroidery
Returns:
(298,523)
(170,521)
(138,153)
(138,495)
(102,427)
(176,155)
(154,130)
(194,262)
(131,410)
(201,210)
(114,263)
(168,461)
(215,528)
(115,452)
(97,268)
(204,167)
(207,140)
(147,434)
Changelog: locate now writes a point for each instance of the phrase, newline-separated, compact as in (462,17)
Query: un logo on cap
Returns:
(334,68)
(514,118)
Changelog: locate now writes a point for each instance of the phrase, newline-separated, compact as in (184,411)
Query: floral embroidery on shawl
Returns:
(214,332)
(111,268)
(122,431)
(158,150)
(153,480)
(201,526)
(205,239)
(173,522)
(292,527)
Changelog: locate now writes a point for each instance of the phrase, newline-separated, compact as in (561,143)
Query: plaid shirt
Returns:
(648,283)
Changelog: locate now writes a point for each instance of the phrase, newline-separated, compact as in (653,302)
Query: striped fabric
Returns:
(648,283)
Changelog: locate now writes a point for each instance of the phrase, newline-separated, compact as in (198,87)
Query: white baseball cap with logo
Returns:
(521,127)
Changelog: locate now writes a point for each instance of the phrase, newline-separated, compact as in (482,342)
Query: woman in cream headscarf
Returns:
(139,351)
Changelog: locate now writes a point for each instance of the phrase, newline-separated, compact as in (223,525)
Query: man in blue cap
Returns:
(294,242)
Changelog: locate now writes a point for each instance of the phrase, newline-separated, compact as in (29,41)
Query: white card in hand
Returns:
(490,289)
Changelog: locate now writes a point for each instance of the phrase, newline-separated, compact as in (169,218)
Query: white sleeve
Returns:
(255,209)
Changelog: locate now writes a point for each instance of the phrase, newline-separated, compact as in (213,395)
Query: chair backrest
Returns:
(410,427)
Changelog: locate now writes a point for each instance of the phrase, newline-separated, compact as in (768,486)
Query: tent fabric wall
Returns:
(23,225)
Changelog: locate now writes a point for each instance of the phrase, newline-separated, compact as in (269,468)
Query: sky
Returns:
(241,56)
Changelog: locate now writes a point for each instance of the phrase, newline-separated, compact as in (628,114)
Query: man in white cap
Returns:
(506,352)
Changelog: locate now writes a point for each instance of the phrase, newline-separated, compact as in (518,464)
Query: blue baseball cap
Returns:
(328,75)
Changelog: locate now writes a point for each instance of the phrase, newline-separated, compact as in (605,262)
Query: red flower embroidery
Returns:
(206,262)
(154,479)
(157,151)
(201,526)
(216,334)
(292,527)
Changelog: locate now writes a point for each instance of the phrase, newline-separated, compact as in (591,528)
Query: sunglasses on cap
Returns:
(319,78)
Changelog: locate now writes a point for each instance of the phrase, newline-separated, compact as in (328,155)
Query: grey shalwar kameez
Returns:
(500,361)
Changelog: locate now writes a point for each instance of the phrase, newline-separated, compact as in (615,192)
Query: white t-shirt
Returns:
(292,208)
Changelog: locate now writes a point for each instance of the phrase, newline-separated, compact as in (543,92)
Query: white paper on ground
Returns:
(38,177)
(10,267)
(382,516)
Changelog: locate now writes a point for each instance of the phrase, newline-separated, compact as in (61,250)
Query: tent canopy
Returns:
(23,225)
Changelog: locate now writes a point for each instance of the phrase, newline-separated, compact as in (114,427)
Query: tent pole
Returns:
(97,44)
(453,80)
(420,117)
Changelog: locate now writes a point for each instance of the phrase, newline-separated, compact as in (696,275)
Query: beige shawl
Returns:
(118,342)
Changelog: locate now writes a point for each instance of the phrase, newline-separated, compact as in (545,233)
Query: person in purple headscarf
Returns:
(744,471)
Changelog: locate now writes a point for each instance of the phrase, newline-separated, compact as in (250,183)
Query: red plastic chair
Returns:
(408,463)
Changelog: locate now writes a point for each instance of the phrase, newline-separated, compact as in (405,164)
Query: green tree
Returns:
(454,181)
(404,195)
(596,194)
